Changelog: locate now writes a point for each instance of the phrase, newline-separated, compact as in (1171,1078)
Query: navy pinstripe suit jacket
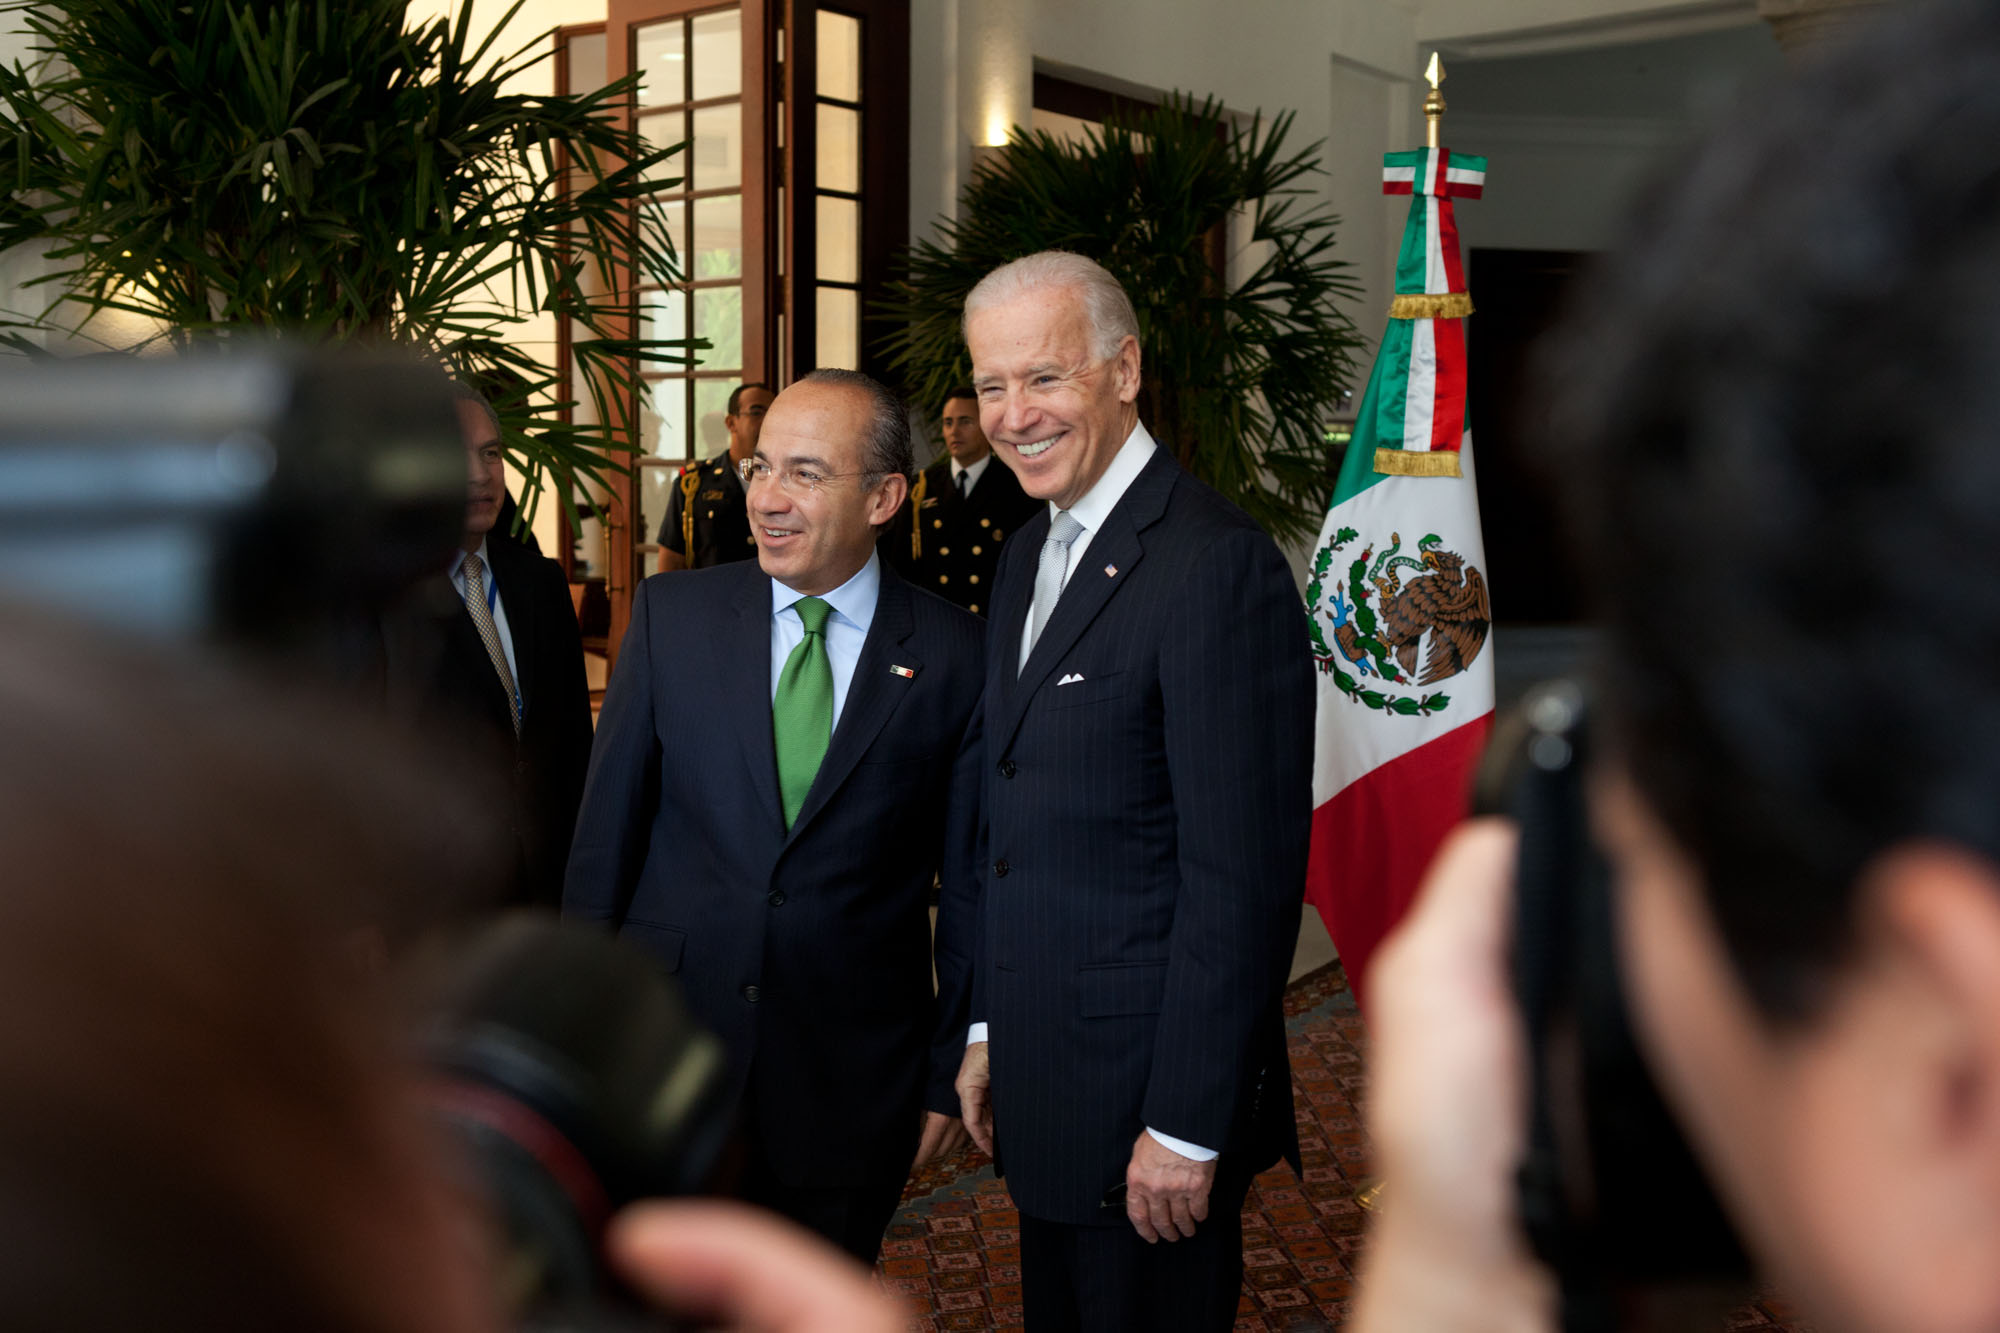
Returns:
(1147,827)
(809,952)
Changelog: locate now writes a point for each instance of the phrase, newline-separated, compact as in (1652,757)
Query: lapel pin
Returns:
(905,672)
(1111,571)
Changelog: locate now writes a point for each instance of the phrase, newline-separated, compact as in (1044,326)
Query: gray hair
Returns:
(887,450)
(1105,304)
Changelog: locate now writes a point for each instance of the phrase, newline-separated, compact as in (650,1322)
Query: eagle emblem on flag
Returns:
(1392,630)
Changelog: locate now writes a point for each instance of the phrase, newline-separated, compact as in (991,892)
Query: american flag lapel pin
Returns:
(906,673)
(1111,571)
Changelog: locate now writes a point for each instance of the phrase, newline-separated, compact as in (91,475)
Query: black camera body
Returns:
(570,1068)
(1610,1193)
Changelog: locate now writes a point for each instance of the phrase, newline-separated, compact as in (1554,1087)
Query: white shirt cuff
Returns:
(975,1033)
(1192,1151)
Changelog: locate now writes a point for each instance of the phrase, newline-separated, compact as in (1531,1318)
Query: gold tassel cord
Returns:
(1414,463)
(917,516)
(690,483)
(1425,305)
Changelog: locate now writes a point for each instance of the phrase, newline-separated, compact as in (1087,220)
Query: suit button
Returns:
(974,608)
(1000,870)
(977,551)
(752,994)
(1007,768)
(937,522)
(777,898)
(985,522)
(974,578)
(997,534)
(944,550)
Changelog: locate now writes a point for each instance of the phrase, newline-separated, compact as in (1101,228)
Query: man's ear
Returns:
(1126,367)
(887,499)
(1934,912)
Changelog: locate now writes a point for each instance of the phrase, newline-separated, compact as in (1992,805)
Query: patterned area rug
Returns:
(954,1253)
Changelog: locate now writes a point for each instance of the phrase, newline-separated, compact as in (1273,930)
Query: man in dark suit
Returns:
(487,656)
(788,755)
(947,537)
(1149,707)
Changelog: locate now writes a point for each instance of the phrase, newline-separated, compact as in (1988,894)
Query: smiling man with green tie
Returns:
(788,753)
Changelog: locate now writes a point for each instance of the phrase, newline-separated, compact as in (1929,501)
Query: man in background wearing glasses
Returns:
(788,753)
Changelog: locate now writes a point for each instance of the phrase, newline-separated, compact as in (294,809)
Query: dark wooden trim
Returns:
(1066,97)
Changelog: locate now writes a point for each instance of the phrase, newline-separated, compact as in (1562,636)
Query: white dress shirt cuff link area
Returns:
(1194,1152)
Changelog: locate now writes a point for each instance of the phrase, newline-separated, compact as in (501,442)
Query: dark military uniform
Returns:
(952,546)
(708,520)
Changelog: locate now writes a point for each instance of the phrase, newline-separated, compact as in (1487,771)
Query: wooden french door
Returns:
(793,201)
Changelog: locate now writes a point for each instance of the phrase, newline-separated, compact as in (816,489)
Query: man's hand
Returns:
(1447,1108)
(1166,1194)
(943,1135)
(975,1096)
(735,1267)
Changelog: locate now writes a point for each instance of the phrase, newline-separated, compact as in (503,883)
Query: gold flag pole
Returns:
(1434,100)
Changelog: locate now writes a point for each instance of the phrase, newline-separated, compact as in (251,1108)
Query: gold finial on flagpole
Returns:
(1434,100)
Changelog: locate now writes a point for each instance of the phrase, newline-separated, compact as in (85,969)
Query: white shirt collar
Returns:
(971,473)
(1126,465)
(458,559)
(853,600)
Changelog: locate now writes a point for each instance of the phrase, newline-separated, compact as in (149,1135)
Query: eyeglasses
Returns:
(791,480)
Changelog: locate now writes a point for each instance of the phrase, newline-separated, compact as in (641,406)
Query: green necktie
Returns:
(802,709)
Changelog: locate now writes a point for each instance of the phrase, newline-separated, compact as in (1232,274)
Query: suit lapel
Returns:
(744,672)
(872,694)
(1010,617)
(1116,548)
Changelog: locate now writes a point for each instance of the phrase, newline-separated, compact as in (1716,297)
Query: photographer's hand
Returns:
(1447,1109)
(741,1268)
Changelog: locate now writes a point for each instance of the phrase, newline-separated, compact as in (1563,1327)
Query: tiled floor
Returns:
(953,1250)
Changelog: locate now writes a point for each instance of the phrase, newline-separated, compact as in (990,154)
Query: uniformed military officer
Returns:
(707,521)
(947,536)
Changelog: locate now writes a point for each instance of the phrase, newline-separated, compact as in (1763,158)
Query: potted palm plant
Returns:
(323,169)
(1242,376)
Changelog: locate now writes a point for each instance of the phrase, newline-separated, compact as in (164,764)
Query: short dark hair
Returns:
(466,393)
(1778,408)
(736,394)
(962,391)
(887,451)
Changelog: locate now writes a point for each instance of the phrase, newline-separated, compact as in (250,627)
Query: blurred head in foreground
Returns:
(203,1125)
(1783,409)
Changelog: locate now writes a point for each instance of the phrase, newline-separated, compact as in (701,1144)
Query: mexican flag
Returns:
(1398,601)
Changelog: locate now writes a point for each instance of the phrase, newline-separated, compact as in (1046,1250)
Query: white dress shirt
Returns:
(1095,507)
(495,606)
(1091,511)
(853,604)
(971,472)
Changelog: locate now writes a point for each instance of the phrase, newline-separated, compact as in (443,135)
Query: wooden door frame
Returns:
(622,574)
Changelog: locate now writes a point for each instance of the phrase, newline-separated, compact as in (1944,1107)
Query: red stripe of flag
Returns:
(1372,842)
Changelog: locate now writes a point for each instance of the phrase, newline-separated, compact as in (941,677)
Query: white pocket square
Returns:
(1071,679)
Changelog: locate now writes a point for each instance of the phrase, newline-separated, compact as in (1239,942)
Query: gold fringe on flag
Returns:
(1412,463)
(1440,305)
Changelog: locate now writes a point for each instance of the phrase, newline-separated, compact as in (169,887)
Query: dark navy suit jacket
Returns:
(809,953)
(1148,824)
(439,678)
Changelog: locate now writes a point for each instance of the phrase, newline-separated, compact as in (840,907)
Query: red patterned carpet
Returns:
(953,1251)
